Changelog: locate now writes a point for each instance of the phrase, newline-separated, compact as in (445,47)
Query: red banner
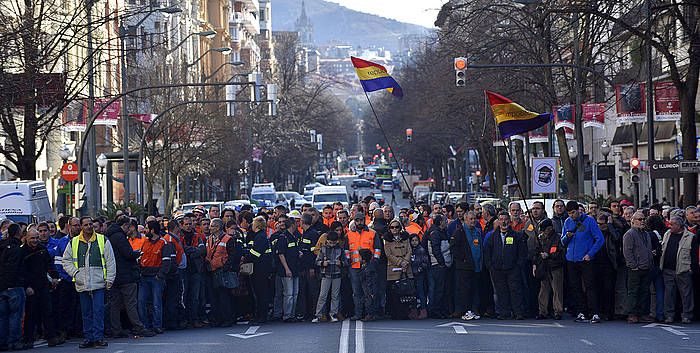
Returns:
(75,116)
(109,116)
(594,115)
(540,135)
(144,118)
(666,101)
(630,103)
(564,116)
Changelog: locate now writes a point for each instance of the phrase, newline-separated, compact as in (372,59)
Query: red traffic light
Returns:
(634,162)
(409,132)
(460,63)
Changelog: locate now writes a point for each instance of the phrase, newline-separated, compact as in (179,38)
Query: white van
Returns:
(264,194)
(327,195)
(25,201)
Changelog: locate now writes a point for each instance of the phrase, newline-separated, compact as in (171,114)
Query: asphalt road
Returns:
(417,336)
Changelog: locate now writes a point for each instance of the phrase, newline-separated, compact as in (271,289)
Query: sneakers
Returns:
(316,320)
(646,319)
(101,344)
(334,319)
(470,316)
(632,319)
(595,319)
(86,344)
(685,321)
(581,318)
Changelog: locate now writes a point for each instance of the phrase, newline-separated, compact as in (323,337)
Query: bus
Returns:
(383,173)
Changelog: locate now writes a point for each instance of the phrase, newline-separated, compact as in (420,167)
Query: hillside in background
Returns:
(337,24)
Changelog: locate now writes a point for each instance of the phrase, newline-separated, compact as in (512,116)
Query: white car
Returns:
(328,195)
(387,185)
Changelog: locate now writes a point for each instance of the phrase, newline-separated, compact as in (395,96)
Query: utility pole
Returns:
(578,123)
(94,203)
(651,136)
(125,115)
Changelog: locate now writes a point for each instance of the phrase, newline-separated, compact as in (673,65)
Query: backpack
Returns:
(179,251)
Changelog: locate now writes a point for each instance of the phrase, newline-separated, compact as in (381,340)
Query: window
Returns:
(262,15)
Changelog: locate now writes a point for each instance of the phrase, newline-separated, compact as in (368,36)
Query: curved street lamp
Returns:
(222,50)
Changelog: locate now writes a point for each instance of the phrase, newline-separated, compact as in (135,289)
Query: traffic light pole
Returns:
(635,155)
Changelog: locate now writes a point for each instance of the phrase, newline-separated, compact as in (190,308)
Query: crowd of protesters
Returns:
(96,278)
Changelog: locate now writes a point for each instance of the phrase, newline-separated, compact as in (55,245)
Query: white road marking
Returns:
(460,330)
(587,342)
(457,323)
(344,337)
(667,328)
(359,337)
(673,331)
(249,333)
(119,351)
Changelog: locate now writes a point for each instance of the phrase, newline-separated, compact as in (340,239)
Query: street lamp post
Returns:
(101,163)
(222,50)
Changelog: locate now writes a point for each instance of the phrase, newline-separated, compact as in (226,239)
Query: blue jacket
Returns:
(56,247)
(587,238)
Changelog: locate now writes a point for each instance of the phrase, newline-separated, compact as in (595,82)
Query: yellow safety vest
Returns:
(75,242)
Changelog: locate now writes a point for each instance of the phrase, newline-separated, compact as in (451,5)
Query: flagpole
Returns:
(512,167)
(392,151)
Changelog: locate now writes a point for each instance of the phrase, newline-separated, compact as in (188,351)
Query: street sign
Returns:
(544,175)
(69,172)
(664,169)
(689,166)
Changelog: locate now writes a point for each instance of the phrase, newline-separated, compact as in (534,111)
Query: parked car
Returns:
(293,195)
(361,183)
(309,188)
(438,197)
(188,207)
(25,201)
(380,198)
(387,185)
(237,204)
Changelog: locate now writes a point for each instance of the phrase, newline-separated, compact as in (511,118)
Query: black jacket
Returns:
(552,246)
(261,254)
(498,256)
(11,269)
(307,245)
(37,263)
(124,256)
(195,250)
(461,251)
(611,250)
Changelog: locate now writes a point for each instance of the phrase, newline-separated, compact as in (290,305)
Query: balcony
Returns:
(248,20)
(251,5)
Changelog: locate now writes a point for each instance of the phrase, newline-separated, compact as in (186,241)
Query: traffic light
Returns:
(460,71)
(409,135)
(634,169)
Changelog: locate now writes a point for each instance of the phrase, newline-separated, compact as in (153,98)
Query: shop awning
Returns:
(664,131)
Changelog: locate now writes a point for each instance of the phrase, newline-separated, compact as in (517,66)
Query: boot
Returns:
(423,314)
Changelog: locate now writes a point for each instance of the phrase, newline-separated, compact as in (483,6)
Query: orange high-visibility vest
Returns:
(361,240)
(216,252)
(414,228)
(152,253)
(328,221)
(137,242)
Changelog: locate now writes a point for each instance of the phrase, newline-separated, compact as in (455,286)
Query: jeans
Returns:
(278,299)
(657,279)
(151,290)
(638,292)
(126,296)
(421,289)
(331,285)
(381,286)
(357,293)
(193,296)
(290,288)
(38,312)
(11,313)
(578,272)
(92,305)
(684,284)
(436,290)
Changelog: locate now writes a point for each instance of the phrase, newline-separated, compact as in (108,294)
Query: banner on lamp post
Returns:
(564,116)
(540,135)
(630,103)
(594,115)
(666,102)
(110,115)
(545,175)
(75,116)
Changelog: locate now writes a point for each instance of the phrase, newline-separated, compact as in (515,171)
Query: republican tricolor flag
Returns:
(374,77)
(513,119)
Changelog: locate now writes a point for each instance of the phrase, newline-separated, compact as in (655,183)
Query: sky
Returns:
(420,12)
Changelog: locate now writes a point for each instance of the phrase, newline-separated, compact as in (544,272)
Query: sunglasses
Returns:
(394,227)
